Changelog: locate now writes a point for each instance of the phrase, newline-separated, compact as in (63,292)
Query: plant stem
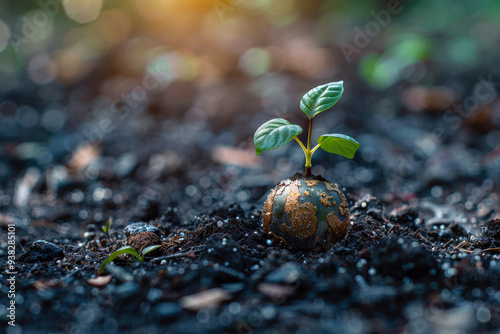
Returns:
(308,151)
(309,134)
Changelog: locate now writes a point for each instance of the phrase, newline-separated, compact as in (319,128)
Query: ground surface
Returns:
(422,254)
(418,258)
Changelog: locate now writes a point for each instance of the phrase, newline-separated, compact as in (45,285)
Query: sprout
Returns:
(106,227)
(127,250)
(278,132)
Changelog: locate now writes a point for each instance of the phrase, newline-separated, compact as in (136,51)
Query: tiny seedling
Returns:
(105,228)
(127,250)
(278,131)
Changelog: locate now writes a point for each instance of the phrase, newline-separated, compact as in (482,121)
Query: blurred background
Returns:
(174,89)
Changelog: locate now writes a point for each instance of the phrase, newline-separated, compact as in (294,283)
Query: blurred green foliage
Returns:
(461,34)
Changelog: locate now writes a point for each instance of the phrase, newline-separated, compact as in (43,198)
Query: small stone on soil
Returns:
(140,227)
(42,251)
(143,240)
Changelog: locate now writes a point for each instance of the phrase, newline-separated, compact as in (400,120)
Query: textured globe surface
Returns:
(306,213)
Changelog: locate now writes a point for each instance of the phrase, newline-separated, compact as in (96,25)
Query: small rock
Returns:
(142,240)
(154,295)
(42,251)
(167,310)
(288,273)
(140,227)
(126,164)
(404,215)
(368,204)
(276,292)
(89,235)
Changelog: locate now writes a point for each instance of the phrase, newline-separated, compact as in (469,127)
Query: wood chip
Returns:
(275,291)
(25,185)
(233,156)
(208,298)
(47,285)
(83,156)
(100,281)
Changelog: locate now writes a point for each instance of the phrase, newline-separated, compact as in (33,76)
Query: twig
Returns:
(395,226)
(459,245)
(176,255)
(424,238)
(491,249)
(466,250)
(447,244)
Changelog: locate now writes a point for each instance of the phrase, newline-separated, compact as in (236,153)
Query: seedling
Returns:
(106,228)
(307,212)
(127,250)
(278,131)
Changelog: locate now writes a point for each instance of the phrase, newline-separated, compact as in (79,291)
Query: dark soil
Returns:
(423,251)
(410,269)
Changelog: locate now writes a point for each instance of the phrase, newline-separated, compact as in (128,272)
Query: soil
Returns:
(405,269)
(422,254)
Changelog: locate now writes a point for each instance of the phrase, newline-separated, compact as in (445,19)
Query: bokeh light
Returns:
(82,11)
(255,61)
(42,69)
(4,35)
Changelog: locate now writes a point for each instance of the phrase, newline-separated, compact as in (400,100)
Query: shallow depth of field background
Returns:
(420,84)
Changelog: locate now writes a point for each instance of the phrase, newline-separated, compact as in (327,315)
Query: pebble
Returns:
(367,204)
(154,295)
(42,251)
(167,310)
(404,215)
(288,273)
(126,164)
(25,185)
(140,227)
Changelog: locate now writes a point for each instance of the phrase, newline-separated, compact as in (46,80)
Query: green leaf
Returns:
(274,133)
(148,250)
(106,228)
(321,98)
(339,144)
(120,251)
